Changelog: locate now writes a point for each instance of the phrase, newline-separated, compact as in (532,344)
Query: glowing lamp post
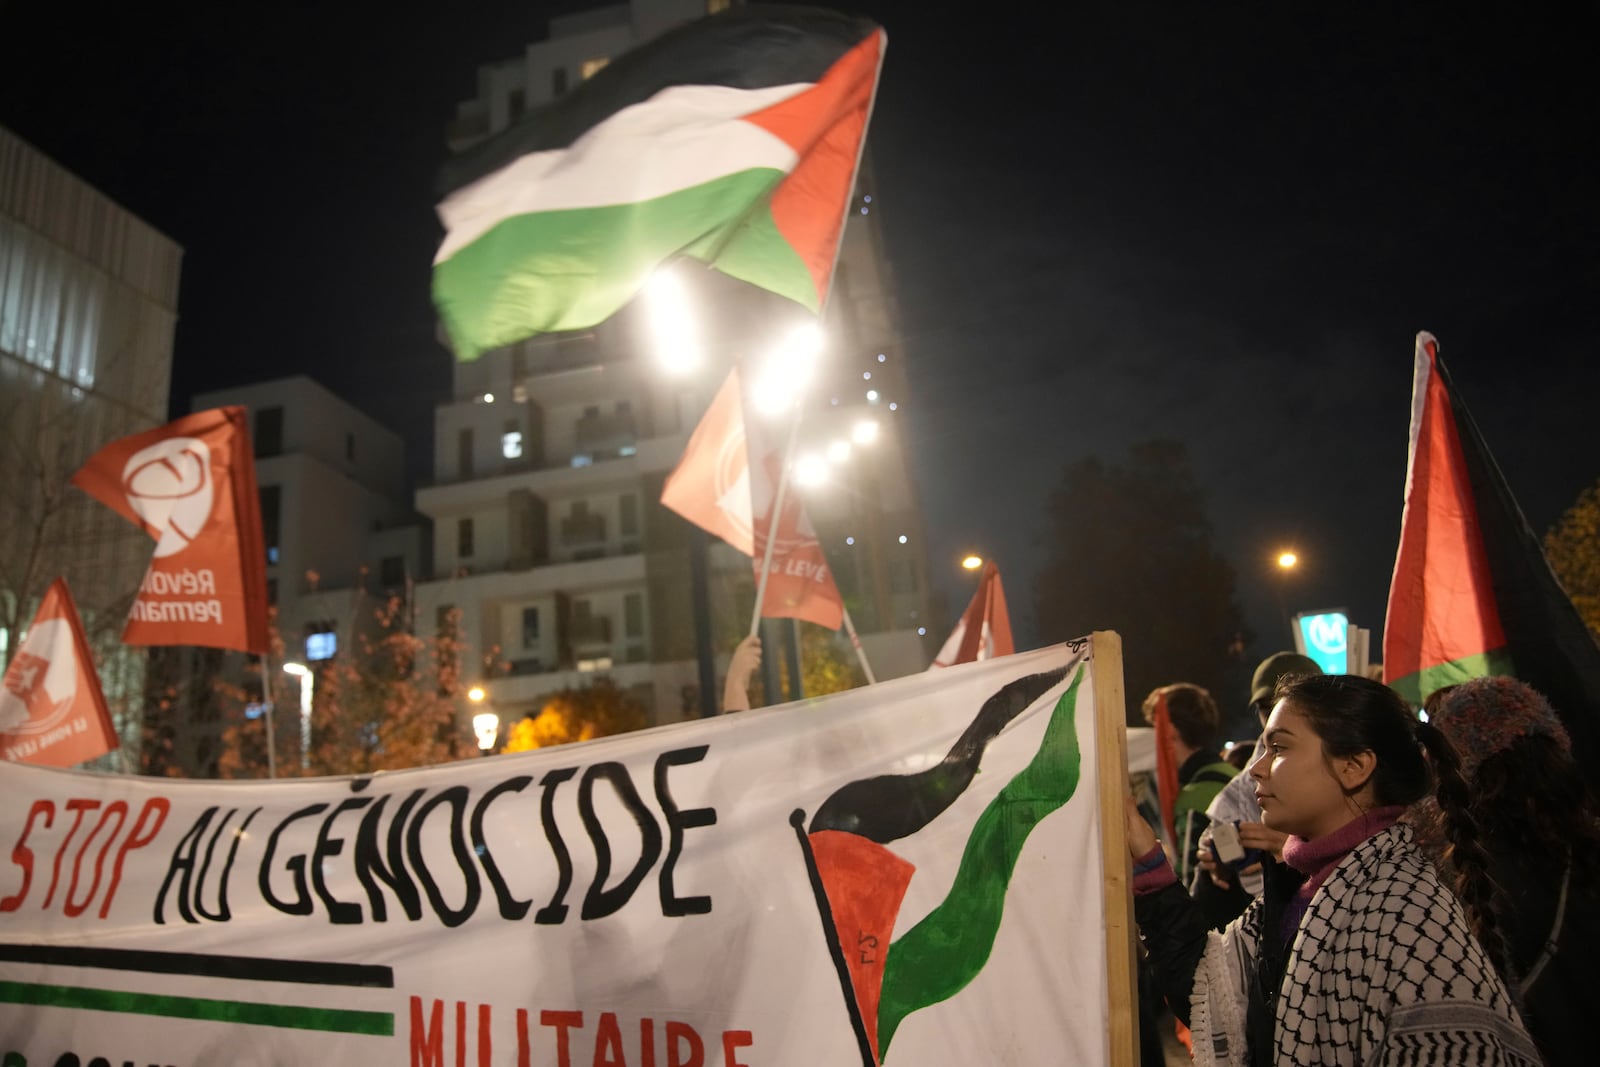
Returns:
(485,724)
(307,681)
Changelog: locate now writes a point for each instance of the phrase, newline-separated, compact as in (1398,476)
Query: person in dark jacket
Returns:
(1540,829)
(1355,953)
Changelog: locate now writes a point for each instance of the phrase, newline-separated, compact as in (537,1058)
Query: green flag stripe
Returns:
(288,1016)
(941,954)
(1416,687)
(569,270)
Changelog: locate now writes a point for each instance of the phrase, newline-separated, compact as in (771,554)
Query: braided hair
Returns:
(1352,715)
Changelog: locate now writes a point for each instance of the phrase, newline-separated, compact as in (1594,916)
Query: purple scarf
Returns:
(1317,859)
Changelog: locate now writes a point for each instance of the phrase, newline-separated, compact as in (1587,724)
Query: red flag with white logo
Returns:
(719,489)
(52,711)
(984,631)
(191,485)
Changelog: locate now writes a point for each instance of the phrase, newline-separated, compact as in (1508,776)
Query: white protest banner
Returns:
(912,873)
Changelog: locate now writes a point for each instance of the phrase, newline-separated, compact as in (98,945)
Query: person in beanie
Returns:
(1538,822)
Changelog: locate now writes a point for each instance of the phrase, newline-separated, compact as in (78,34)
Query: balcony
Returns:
(590,631)
(583,530)
(603,437)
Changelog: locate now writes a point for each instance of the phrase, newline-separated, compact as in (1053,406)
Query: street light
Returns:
(486,724)
(972,562)
(307,681)
(677,342)
(1287,561)
(476,694)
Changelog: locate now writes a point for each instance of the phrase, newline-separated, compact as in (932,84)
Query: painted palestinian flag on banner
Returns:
(191,485)
(860,882)
(52,710)
(733,140)
(718,487)
(1472,593)
(984,630)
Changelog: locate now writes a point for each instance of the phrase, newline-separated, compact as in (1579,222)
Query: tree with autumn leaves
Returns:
(1573,548)
(393,704)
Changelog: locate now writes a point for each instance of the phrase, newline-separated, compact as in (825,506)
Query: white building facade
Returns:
(88,309)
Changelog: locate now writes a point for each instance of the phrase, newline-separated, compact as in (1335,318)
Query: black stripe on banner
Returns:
(749,46)
(248,968)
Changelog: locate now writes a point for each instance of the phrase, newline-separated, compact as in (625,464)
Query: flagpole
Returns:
(855,642)
(269,710)
(774,519)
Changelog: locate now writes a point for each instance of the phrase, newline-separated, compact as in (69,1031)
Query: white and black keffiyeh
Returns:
(1382,972)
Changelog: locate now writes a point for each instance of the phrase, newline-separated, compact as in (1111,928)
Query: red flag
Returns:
(1166,771)
(1443,624)
(984,631)
(191,485)
(52,711)
(719,489)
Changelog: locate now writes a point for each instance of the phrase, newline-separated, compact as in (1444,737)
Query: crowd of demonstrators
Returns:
(1224,892)
(1192,748)
(1538,825)
(1355,952)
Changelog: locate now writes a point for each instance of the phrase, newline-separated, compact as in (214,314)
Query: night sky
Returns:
(1219,223)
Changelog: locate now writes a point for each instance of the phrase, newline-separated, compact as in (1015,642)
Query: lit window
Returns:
(867,198)
(866,211)
(511,444)
(902,539)
(582,460)
(866,376)
(599,663)
(321,646)
(591,67)
(882,358)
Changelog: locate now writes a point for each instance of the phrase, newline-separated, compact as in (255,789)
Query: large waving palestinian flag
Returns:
(1472,593)
(733,140)
(860,883)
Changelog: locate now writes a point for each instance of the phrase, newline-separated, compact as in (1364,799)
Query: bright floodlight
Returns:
(972,563)
(1287,560)
(672,328)
(299,670)
(810,470)
(486,724)
(783,375)
(865,432)
(839,452)
(476,694)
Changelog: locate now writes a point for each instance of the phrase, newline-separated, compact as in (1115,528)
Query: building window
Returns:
(628,517)
(464,538)
(269,432)
(271,509)
(591,67)
(392,571)
(530,627)
(511,440)
(714,6)
(350,447)
(464,453)
(633,615)
(517,104)
(321,645)
(558,81)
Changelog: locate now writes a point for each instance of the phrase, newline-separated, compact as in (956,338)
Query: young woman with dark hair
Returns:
(1537,819)
(1355,953)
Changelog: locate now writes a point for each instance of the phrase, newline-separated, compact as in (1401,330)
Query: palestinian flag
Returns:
(860,883)
(733,140)
(1473,594)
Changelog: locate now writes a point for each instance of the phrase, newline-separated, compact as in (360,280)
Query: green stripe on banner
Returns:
(288,1016)
(1416,687)
(941,954)
(568,270)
